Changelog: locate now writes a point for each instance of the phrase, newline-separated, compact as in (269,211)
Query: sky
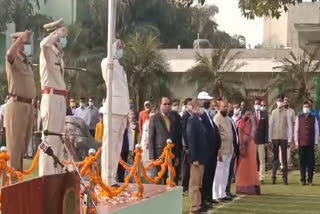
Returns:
(231,21)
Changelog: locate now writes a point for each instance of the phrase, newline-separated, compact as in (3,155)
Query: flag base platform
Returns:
(158,199)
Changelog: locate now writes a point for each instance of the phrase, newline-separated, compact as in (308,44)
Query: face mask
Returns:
(189,107)
(82,105)
(72,104)
(279,104)
(236,112)
(224,113)
(306,110)
(206,105)
(27,50)
(130,106)
(63,42)
(257,107)
(90,104)
(263,108)
(118,54)
(175,108)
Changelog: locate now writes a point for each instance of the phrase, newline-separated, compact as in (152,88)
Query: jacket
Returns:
(280,127)
(159,134)
(214,140)
(262,130)
(184,121)
(197,140)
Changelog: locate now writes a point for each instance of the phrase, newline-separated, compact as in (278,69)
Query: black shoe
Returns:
(231,195)
(225,199)
(303,183)
(310,183)
(274,180)
(115,185)
(261,181)
(213,201)
(285,182)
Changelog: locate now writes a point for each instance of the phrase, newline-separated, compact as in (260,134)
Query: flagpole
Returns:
(111,36)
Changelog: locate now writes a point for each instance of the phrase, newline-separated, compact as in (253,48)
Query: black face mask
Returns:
(224,113)
(206,105)
(230,113)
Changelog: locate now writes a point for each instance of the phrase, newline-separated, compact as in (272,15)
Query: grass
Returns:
(275,199)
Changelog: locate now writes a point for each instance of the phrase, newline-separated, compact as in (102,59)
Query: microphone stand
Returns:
(78,172)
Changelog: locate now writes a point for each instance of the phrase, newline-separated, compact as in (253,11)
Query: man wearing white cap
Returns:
(22,90)
(214,143)
(120,110)
(53,103)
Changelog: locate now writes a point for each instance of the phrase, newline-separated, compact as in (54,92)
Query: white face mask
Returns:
(279,104)
(175,108)
(27,50)
(63,42)
(82,105)
(306,110)
(236,112)
(118,54)
(257,107)
(263,108)
(90,104)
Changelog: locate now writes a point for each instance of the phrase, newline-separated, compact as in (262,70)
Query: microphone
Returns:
(48,150)
(48,133)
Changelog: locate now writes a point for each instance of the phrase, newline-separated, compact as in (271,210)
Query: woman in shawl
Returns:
(247,176)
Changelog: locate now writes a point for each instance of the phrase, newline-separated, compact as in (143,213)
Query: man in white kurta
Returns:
(224,125)
(53,103)
(120,110)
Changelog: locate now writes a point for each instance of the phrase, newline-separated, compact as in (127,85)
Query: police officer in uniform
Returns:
(22,91)
(53,88)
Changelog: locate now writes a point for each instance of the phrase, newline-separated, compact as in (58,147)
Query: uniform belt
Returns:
(54,91)
(21,99)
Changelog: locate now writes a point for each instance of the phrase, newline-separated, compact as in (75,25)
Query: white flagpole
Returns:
(111,36)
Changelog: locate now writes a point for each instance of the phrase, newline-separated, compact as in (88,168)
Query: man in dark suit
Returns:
(214,144)
(185,162)
(163,126)
(199,151)
(261,136)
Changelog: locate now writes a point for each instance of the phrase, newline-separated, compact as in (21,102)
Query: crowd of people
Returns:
(218,142)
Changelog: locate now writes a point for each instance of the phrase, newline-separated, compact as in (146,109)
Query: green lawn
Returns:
(275,199)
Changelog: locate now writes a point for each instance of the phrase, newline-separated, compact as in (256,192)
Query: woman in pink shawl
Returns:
(247,182)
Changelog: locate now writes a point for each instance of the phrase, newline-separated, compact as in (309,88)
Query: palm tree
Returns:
(208,74)
(297,75)
(145,66)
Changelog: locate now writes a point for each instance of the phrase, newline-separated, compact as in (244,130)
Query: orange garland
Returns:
(33,165)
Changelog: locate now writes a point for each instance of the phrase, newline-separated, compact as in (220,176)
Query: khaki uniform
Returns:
(19,117)
(53,106)
(120,110)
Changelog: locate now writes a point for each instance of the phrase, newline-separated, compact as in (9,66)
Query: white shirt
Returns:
(120,91)
(3,111)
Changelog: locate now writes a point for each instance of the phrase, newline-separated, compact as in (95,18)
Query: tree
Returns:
(17,11)
(256,8)
(145,67)
(209,72)
(297,75)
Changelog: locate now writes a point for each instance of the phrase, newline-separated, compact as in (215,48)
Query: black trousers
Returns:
(121,171)
(231,175)
(92,132)
(208,178)
(307,161)
(275,163)
(185,172)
